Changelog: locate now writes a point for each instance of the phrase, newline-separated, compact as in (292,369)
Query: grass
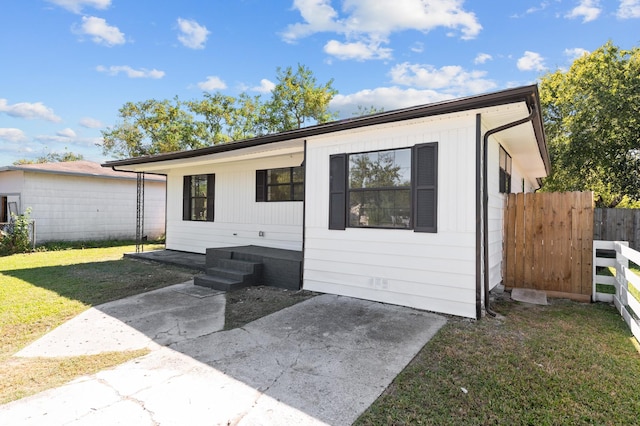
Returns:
(566,363)
(41,290)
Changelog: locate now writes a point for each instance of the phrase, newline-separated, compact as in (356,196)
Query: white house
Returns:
(399,207)
(80,200)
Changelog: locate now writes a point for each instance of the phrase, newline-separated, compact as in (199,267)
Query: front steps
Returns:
(233,268)
(228,274)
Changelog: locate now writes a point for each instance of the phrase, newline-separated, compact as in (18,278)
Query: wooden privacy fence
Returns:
(549,243)
(617,225)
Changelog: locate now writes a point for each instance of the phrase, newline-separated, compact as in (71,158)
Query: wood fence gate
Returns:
(548,243)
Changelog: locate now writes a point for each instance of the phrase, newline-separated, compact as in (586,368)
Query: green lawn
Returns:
(566,363)
(39,291)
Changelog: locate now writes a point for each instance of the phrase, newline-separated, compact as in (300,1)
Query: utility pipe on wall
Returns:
(485,199)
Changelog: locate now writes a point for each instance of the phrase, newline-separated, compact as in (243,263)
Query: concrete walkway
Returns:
(322,361)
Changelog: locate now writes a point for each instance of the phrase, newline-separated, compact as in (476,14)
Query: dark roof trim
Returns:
(527,94)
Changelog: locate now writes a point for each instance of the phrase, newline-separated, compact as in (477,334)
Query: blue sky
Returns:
(69,65)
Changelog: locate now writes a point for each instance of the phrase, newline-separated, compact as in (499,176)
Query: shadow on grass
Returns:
(99,282)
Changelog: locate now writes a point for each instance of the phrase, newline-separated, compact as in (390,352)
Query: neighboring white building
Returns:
(389,207)
(80,201)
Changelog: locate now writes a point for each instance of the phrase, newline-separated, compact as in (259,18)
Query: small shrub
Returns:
(15,238)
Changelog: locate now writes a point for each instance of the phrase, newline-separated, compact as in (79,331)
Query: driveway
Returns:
(322,361)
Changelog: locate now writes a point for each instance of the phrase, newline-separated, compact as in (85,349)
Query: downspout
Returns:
(304,213)
(485,199)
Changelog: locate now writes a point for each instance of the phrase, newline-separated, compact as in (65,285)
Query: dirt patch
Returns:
(251,303)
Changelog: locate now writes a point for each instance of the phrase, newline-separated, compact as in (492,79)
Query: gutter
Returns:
(485,199)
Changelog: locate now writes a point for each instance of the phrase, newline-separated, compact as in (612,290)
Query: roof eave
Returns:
(528,94)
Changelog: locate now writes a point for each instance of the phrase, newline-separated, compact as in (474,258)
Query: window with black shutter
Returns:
(282,184)
(198,197)
(394,189)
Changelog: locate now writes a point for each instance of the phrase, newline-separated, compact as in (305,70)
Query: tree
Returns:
(364,111)
(52,157)
(153,127)
(297,99)
(592,121)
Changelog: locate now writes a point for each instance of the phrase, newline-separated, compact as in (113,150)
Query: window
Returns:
(198,197)
(505,171)
(380,189)
(385,189)
(284,184)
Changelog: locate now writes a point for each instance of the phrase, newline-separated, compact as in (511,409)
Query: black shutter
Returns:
(211,196)
(261,185)
(338,191)
(186,198)
(425,187)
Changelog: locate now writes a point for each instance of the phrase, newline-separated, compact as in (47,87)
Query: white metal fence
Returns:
(623,281)
(32,231)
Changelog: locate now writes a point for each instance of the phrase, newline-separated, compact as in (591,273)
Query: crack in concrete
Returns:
(122,398)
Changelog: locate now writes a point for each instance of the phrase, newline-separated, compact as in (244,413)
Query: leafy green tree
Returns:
(52,157)
(153,127)
(364,111)
(592,121)
(297,99)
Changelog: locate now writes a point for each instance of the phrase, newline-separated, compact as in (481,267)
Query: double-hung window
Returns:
(282,184)
(198,195)
(394,189)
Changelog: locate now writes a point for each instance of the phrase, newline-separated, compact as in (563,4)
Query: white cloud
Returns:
(31,111)
(76,6)
(212,83)
(100,31)
(588,10)
(66,133)
(482,58)
(266,86)
(366,24)
(192,34)
(575,53)
(417,47)
(12,135)
(130,72)
(388,98)
(90,123)
(531,61)
(357,50)
(629,9)
(450,79)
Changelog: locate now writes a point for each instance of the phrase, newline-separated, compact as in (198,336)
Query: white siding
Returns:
(238,218)
(74,208)
(497,205)
(432,271)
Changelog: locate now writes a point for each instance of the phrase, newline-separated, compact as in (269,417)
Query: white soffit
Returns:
(519,141)
(243,154)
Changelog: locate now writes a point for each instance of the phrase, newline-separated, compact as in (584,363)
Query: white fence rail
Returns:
(624,300)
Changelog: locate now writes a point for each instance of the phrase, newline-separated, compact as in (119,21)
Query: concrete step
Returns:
(219,283)
(233,274)
(239,265)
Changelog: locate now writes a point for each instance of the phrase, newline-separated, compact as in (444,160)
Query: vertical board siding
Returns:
(238,217)
(548,243)
(427,271)
(617,225)
(74,208)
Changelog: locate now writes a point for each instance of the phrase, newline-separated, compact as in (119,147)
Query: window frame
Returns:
(380,189)
(188,198)
(505,169)
(423,189)
(263,184)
